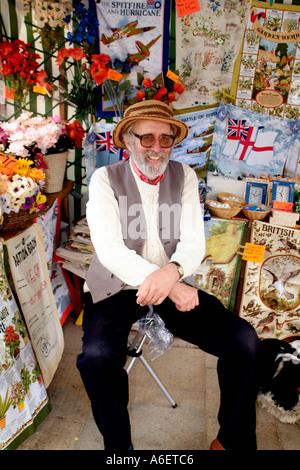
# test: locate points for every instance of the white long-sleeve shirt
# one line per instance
(106, 234)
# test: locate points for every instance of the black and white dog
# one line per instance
(280, 371)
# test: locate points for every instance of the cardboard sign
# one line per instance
(172, 76)
(7, 165)
(114, 75)
(27, 261)
(187, 7)
(40, 89)
(9, 93)
(283, 206)
(252, 252)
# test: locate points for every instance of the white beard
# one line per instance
(150, 170)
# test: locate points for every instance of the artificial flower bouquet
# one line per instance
(50, 18)
(45, 141)
(21, 69)
(36, 136)
(84, 88)
(21, 191)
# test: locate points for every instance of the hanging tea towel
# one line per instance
(247, 142)
(234, 134)
(262, 151)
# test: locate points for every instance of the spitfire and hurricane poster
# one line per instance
(134, 36)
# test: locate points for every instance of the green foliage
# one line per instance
(4, 404)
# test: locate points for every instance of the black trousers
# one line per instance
(210, 326)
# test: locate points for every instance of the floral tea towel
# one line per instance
(207, 45)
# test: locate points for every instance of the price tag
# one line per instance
(172, 76)
(9, 93)
(7, 165)
(283, 206)
(114, 75)
(252, 252)
(187, 7)
(39, 89)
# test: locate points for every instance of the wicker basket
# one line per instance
(223, 212)
(237, 202)
(55, 172)
(16, 220)
(257, 215)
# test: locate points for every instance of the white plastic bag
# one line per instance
(160, 339)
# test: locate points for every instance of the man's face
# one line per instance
(152, 161)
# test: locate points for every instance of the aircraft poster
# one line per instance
(135, 35)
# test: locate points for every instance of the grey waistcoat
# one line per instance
(100, 281)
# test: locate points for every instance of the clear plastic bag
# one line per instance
(160, 339)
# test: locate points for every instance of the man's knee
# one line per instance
(247, 340)
(100, 358)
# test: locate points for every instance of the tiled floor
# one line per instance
(190, 377)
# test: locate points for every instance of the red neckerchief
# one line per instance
(144, 178)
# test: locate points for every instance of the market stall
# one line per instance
(231, 71)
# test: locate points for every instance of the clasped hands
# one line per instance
(163, 283)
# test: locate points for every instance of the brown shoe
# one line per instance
(216, 445)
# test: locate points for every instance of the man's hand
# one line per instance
(157, 286)
(184, 297)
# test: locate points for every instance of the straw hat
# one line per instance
(149, 109)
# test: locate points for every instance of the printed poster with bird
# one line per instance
(271, 291)
(135, 35)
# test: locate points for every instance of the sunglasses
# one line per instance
(148, 140)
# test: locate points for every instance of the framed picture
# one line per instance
(256, 191)
(219, 271)
(282, 191)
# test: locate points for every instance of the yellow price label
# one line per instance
(39, 89)
(172, 76)
(253, 252)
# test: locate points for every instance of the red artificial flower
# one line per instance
(147, 83)
(140, 95)
(39, 161)
(18, 61)
(162, 91)
(178, 87)
(101, 58)
(77, 53)
(157, 96)
(40, 78)
(98, 68)
(5, 48)
(99, 72)
(76, 132)
(62, 54)
(171, 96)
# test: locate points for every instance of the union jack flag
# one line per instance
(244, 132)
(104, 142)
(235, 128)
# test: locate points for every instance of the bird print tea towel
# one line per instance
(271, 291)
